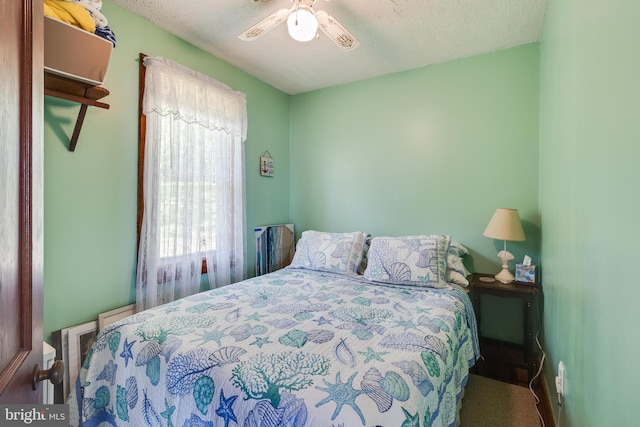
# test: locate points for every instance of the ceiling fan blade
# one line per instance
(336, 32)
(265, 25)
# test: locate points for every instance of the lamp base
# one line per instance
(505, 276)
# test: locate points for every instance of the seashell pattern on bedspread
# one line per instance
(291, 348)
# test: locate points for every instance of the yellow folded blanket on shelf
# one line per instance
(71, 13)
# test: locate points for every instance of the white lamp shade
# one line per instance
(302, 24)
(505, 224)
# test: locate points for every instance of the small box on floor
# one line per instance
(526, 273)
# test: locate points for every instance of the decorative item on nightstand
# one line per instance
(505, 225)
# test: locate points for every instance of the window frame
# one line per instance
(142, 133)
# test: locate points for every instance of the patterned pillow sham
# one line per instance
(409, 260)
(456, 271)
(334, 252)
(363, 264)
(457, 278)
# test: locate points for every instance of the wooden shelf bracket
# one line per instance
(72, 90)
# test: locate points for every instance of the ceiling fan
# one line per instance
(303, 23)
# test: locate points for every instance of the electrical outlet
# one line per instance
(560, 379)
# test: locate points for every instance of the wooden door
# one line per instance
(21, 198)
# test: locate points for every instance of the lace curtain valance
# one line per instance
(190, 96)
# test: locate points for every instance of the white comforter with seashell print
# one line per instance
(290, 348)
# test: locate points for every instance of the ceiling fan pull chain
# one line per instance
(296, 11)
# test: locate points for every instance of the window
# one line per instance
(191, 214)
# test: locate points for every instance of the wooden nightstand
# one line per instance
(527, 293)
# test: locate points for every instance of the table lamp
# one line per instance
(505, 225)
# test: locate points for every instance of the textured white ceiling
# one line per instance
(394, 35)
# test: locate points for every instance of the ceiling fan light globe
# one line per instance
(302, 25)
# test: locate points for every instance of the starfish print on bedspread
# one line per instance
(323, 321)
(126, 351)
(260, 341)
(214, 335)
(342, 394)
(411, 420)
(225, 410)
(370, 355)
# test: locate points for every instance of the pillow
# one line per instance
(457, 278)
(456, 271)
(363, 264)
(334, 252)
(409, 260)
(458, 250)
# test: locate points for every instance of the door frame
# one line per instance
(17, 376)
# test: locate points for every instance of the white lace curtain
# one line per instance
(194, 190)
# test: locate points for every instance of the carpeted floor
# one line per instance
(491, 403)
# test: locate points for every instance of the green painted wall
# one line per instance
(91, 194)
(432, 150)
(590, 110)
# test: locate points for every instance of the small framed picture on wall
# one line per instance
(266, 164)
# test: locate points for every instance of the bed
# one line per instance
(324, 342)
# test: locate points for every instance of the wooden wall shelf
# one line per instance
(76, 91)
